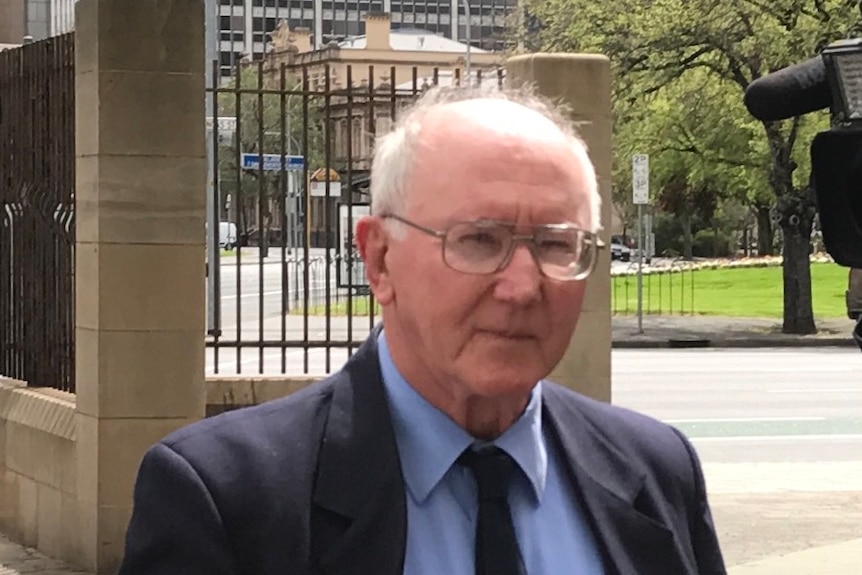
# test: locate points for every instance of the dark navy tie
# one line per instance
(497, 551)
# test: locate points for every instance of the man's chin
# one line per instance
(504, 383)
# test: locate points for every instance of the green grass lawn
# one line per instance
(359, 307)
(741, 292)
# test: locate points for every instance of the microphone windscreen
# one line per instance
(792, 91)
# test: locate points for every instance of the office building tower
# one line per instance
(244, 25)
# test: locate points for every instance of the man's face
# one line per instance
(483, 335)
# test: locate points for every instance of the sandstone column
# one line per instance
(583, 82)
(140, 191)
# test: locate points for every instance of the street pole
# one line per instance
(640, 270)
(640, 196)
(212, 207)
(469, 41)
(293, 197)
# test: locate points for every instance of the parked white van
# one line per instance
(227, 235)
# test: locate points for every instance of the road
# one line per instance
(273, 286)
(750, 405)
(779, 433)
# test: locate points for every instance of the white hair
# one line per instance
(395, 152)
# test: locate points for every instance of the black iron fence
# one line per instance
(292, 148)
(37, 238)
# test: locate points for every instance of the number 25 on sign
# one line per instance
(640, 179)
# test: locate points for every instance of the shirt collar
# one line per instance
(429, 441)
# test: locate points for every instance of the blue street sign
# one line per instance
(272, 162)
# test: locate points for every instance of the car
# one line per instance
(620, 251)
(227, 238)
(227, 235)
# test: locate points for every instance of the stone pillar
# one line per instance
(583, 82)
(140, 299)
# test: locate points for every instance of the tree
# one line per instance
(270, 118)
(700, 156)
(655, 45)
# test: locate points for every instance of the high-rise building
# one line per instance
(245, 24)
(39, 19)
(22, 18)
(62, 16)
(13, 21)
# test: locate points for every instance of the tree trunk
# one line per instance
(796, 209)
(714, 238)
(798, 311)
(685, 222)
(764, 231)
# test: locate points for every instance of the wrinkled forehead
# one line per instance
(485, 137)
(494, 156)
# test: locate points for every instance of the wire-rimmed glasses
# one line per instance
(561, 251)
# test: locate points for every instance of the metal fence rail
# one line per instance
(292, 148)
(667, 290)
(37, 179)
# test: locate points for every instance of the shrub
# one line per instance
(707, 245)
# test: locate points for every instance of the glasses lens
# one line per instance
(476, 247)
(481, 248)
(565, 254)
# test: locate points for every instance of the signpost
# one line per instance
(272, 162)
(640, 196)
(319, 185)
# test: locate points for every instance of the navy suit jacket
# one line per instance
(311, 484)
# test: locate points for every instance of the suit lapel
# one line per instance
(608, 488)
(359, 513)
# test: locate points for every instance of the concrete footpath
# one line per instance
(772, 518)
(680, 331)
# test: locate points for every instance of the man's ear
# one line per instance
(372, 242)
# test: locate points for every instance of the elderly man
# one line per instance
(439, 448)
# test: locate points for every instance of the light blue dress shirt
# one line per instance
(442, 505)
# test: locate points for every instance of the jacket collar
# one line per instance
(609, 486)
(359, 510)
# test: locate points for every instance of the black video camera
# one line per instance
(831, 80)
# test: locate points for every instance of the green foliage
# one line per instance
(680, 69)
(668, 235)
(711, 244)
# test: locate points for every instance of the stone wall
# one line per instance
(38, 502)
(39, 499)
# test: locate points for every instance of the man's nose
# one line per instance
(520, 281)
